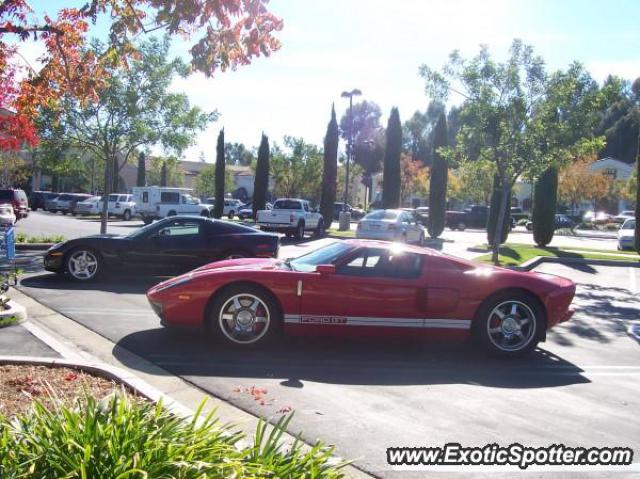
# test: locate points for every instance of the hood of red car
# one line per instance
(240, 263)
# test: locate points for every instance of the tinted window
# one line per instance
(382, 215)
(222, 227)
(6, 195)
(384, 263)
(65, 197)
(327, 255)
(629, 225)
(113, 198)
(286, 205)
(170, 197)
(181, 228)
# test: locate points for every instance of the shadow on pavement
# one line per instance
(371, 362)
(111, 284)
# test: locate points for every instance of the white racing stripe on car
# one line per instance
(367, 321)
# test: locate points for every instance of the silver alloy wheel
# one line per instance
(244, 318)
(82, 264)
(511, 325)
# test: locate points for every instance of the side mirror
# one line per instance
(326, 268)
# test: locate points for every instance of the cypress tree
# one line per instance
(141, 180)
(219, 177)
(391, 173)
(438, 181)
(261, 181)
(163, 174)
(637, 231)
(494, 210)
(545, 198)
(330, 170)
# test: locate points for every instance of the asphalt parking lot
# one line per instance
(580, 388)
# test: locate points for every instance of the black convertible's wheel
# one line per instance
(245, 315)
(509, 324)
(83, 264)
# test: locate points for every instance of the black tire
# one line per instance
(517, 337)
(221, 302)
(205, 214)
(73, 213)
(171, 213)
(64, 212)
(126, 216)
(461, 226)
(73, 271)
(231, 214)
(319, 231)
(147, 220)
(300, 231)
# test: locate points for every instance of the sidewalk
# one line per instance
(17, 340)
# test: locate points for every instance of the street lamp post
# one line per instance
(345, 216)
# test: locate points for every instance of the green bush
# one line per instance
(24, 238)
(120, 437)
(545, 202)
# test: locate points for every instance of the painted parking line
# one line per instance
(110, 312)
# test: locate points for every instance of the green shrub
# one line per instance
(120, 437)
(24, 238)
(545, 202)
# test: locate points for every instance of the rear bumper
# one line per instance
(376, 235)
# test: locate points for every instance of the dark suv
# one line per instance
(16, 198)
(39, 198)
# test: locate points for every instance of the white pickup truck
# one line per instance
(292, 217)
(155, 202)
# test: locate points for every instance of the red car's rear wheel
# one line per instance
(510, 324)
(245, 315)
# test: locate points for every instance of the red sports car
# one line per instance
(362, 287)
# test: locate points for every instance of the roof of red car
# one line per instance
(387, 244)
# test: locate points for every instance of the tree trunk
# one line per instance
(108, 171)
(637, 230)
(497, 238)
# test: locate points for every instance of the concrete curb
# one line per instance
(33, 246)
(538, 260)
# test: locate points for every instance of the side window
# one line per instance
(306, 206)
(170, 197)
(181, 229)
(383, 263)
(145, 197)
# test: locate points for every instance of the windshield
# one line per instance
(382, 215)
(286, 205)
(326, 255)
(629, 225)
(142, 231)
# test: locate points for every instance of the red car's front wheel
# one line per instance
(245, 315)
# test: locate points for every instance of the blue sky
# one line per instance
(377, 46)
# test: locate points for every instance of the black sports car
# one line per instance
(169, 246)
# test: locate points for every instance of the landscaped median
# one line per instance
(514, 254)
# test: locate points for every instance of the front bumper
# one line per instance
(54, 262)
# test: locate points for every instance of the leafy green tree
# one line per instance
(544, 207)
(476, 181)
(163, 174)
(261, 181)
(297, 169)
(497, 111)
(237, 154)
(135, 109)
(391, 173)
(172, 170)
(329, 170)
(218, 208)
(438, 180)
(141, 179)
(368, 135)
(204, 184)
(419, 132)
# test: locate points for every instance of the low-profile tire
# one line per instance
(319, 231)
(509, 324)
(244, 316)
(83, 264)
(126, 216)
(300, 231)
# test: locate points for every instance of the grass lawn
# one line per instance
(341, 234)
(513, 254)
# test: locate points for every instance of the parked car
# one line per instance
(597, 218)
(291, 216)
(90, 206)
(65, 202)
(17, 199)
(518, 214)
(156, 202)
(77, 198)
(231, 207)
(356, 213)
(50, 203)
(624, 216)
(37, 199)
(120, 205)
(422, 213)
(367, 288)
(7, 216)
(626, 235)
(391, 225)
(560, 221)
(166, 247)
(475, 216)
(246, 211)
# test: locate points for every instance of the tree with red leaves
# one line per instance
(232, 33)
